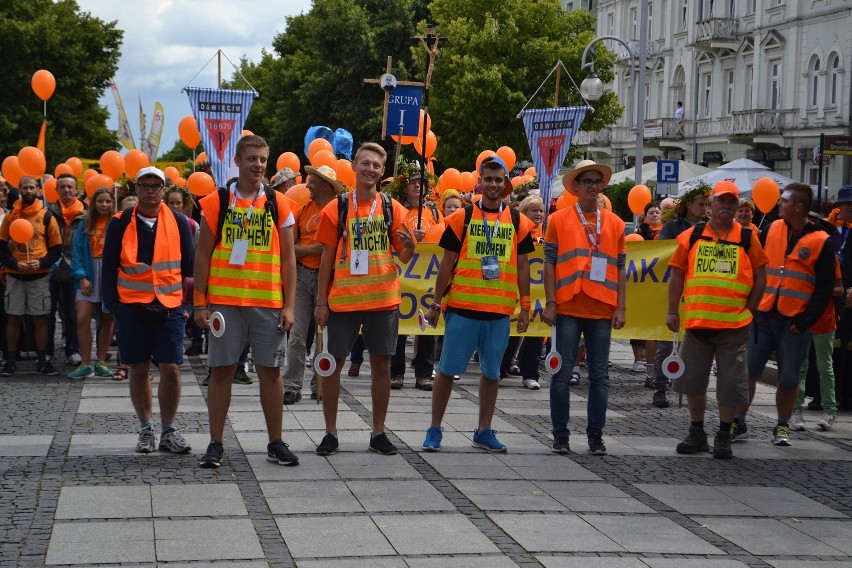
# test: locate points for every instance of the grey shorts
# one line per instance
(730, 349)
(379, 329)
(257, 326)
(27, 297)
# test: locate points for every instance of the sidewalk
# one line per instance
(73, 492)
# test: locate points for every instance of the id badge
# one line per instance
(598, 272)
(723, 266)
(239, 252)
(359, 264)
(490, 267)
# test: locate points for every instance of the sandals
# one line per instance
(120, 374)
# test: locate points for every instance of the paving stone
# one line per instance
(197, 500)
(293, 497)
(835, 533)
(398, 495)
(125, 444)
(693, 563)
(592, 497)
(507, 496)
(209, 539)
(117, 405)
(255, 442)
(101, 542)
(779, 502)
(369, 465)
(450, 533)
(655, 534)
(551, 532)
(466, 561)
(766, 537)
(111, 502)
(589, 562)
(354, 563)
(311, 467)
(807, 563)
(13, 445)
(697, 500)
(321, 537)
(468, 465)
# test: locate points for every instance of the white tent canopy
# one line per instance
(686, 170)
(742, 172)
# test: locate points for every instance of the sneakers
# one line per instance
(75, 359)
(354, 370)
(650, 383)
(9, 369)
(433, 439)
(575, 378)
(596, 446)
(46, 368)
(381, 445)
(279, 452)
(174, 442)
(739, 430)
(722, 446)
(638, 367)
(101, 370)
(193, 350)
(487, 440)
(797, 421)
(82, 371)
(213, 457)
(560, 445)
(147, 441)
(292, 397)
(309, 362)
(826, 422)
(695, 442)
(423, 383)
(328, 446)
(781, 435)
(514, 371)
(659, 400)
(240, 377)
(531, 384)
(396, 382)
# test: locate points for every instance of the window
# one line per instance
(647, 100)
(610, 24)
(684, 8)
(729, 92)
(706, 106)
(834, 81)
(664, 24)
(751, 7)
(748, 76)
(732, 9)
(775, 85)
(650, 19)
(661, 90)
(813, 83)
(634, 23)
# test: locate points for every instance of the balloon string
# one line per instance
(28, 252)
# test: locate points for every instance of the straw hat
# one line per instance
(585, 166)
(327, 174)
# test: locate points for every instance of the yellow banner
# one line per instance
(647, 291)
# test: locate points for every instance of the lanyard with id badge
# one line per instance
(240, 249)
(359, 262)
(598, 271)
(489, 262)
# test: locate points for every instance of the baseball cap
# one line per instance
(725, 187)
(284, 174)
(844, 195)
(151, 171)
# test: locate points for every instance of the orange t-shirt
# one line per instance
(427, 219)
(307, 221)
(96, 239)
(582, 305)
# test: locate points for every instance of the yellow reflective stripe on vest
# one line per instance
(484, 299)
(490, 284)
(738, 317)
(717, 283)
(245, 293)
(715, 300)
(477, 265)
(336, 301)
(253, 275)
(259, 257)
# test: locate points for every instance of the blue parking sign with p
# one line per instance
(404, 110)
(667, 171)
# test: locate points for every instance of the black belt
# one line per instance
(300, 265)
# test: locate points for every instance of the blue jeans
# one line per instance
(597, 333)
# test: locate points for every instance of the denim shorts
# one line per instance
(463, 336)
(139, 342)
(767, 335)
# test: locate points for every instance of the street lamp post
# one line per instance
(592, 87)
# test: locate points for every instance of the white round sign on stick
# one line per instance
(553, 360)
(324, 363)
(217, 324)
(673, 365)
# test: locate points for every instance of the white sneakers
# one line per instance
(826, 422)
(797, 421)
(638, 367)
(531, 384)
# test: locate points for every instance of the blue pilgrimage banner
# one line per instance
(549, 134)
(404, 110)
(220, 115)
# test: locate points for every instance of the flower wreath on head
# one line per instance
(703, 189)
(526, 189)
(405, 171)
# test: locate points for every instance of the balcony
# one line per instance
(758, 122)
(600, 137)
(716, 33)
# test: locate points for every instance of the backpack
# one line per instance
(224, 205)
(698, 232)
(343, 212)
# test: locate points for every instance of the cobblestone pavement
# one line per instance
(73, 493)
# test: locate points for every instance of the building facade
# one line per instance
(758, 79)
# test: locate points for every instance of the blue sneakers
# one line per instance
(433, 439)
(487, 440)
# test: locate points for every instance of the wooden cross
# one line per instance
(387, 94)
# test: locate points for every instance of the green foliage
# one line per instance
(180, 152)
(618, 197)
(82, 53)
(497, 55)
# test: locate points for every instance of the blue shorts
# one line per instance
(463, 336)
(139, 342)
(768, 334)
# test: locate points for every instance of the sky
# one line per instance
(166, 42)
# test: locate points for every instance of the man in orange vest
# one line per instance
(364, 290)
(148, 251)
(799, 285)
(719, 270)
(483, 270)
(246, 271)
(585, 285)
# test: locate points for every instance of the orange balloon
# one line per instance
(288, 160)
(112, 164)
(316, 145)
(63, 168)
(517, 180)
(134, 161)
(180, 182)
(634, 237)
(530, 171)
(21, 231)
(32, 161)
(507, 155)
(345, 173)
(638, 198)
(12, 170)
(451, 178)
(420, 123)
(299, 193)
(468, 181)
(323, 158)
(405, 139)
(200, 184)
(43, 84)
(482, 155)
(76, 166)
(96, 182)
(247, 133)
(765, 194)
(87, 175)
(49, 191)
(431, 145)
(567, 199)
(172, 173)
(607, 203)
(188, 131)
(202, 157)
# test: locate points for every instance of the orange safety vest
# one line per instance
(574, 256)
(379, 289)
(790, 279)
(719, 279)
(469, 290)
(140, 283)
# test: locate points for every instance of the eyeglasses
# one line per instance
(149, 187)
(590, 183)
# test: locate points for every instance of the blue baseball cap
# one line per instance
(844, 195)
(495, 159)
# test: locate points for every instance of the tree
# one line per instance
(180, 152)
(496, 56)
(82, 53)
